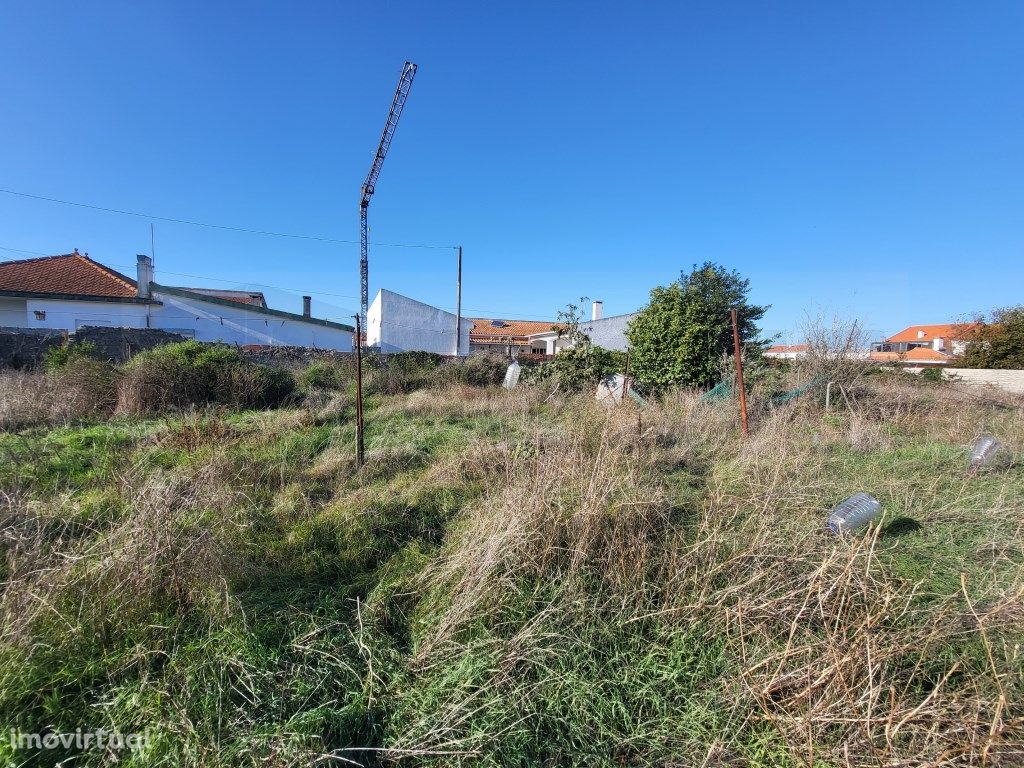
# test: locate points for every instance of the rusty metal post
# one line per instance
(360, 453)
(739, 371)
(625, 378)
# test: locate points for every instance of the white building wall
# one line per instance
(206, 321)
(396, 323)
(12, 313)
(72, 315)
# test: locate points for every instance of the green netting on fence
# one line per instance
(724, 390)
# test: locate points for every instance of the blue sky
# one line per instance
(859, 158)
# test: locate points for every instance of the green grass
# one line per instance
(287, 606)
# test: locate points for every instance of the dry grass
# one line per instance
(84, 390)
(173, 544)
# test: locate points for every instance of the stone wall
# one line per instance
(26, 347)
(120, 344)
(1006, 380)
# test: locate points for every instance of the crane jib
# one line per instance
(397, 103)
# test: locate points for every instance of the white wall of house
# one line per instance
(207, 321)
(72, 315)
(548, 343)
(193, 318)
(12, 313)
(396, 323)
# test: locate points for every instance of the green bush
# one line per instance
(190, 373)
(322, 374)
(476, 370)
(578, 368)
(70, 353)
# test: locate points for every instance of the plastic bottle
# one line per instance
(984, 450)
(854, 512)
(512, 375)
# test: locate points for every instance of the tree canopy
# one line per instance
(680, 336)
(998, 343)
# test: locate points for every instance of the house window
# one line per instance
(40, 314)
(539, 350)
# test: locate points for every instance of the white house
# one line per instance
(396, 323)
(607, 332)
(70, 291)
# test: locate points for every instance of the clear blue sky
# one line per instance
(862, 158)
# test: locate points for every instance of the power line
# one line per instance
(268, 233)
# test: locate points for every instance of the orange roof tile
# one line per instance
(485, 331)
(72, 273)
(915, 355)
(239, 297)
(930, 332)
(779, 348)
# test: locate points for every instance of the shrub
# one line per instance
(476, 370)
(578, 368)
(190, 373)
(320, 374)
(70, 353)
(394, 374)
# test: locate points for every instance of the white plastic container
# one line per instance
(512, 375)
(856, 511)
(984, 451)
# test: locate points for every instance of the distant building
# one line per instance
(396, 323)
(924, 345)
(787, 351)
(607, 332)
(72, 291)
(515, 337)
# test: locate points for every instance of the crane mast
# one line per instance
(397, 103)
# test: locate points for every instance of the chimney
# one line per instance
(145, 276)
(920, 334)
(307, 306)
(597, 311)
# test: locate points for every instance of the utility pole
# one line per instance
(739, 371)
(360, 454)
(458, 304)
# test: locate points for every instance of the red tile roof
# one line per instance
(72, 273)
(930, 332)
(255, 298)
(485, 331)
(781, 348)
(915, 355)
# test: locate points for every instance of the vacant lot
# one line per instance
(517, 578)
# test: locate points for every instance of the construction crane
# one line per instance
(401, 94)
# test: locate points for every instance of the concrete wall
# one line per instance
(1008, 380)
(396, 323)
(608, 332)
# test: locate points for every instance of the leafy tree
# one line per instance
(680, 336)
(568, 324)
(999, 343)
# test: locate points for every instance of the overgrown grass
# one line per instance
(517, 579)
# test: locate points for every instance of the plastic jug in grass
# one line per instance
(984, 450)
(856, 511)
